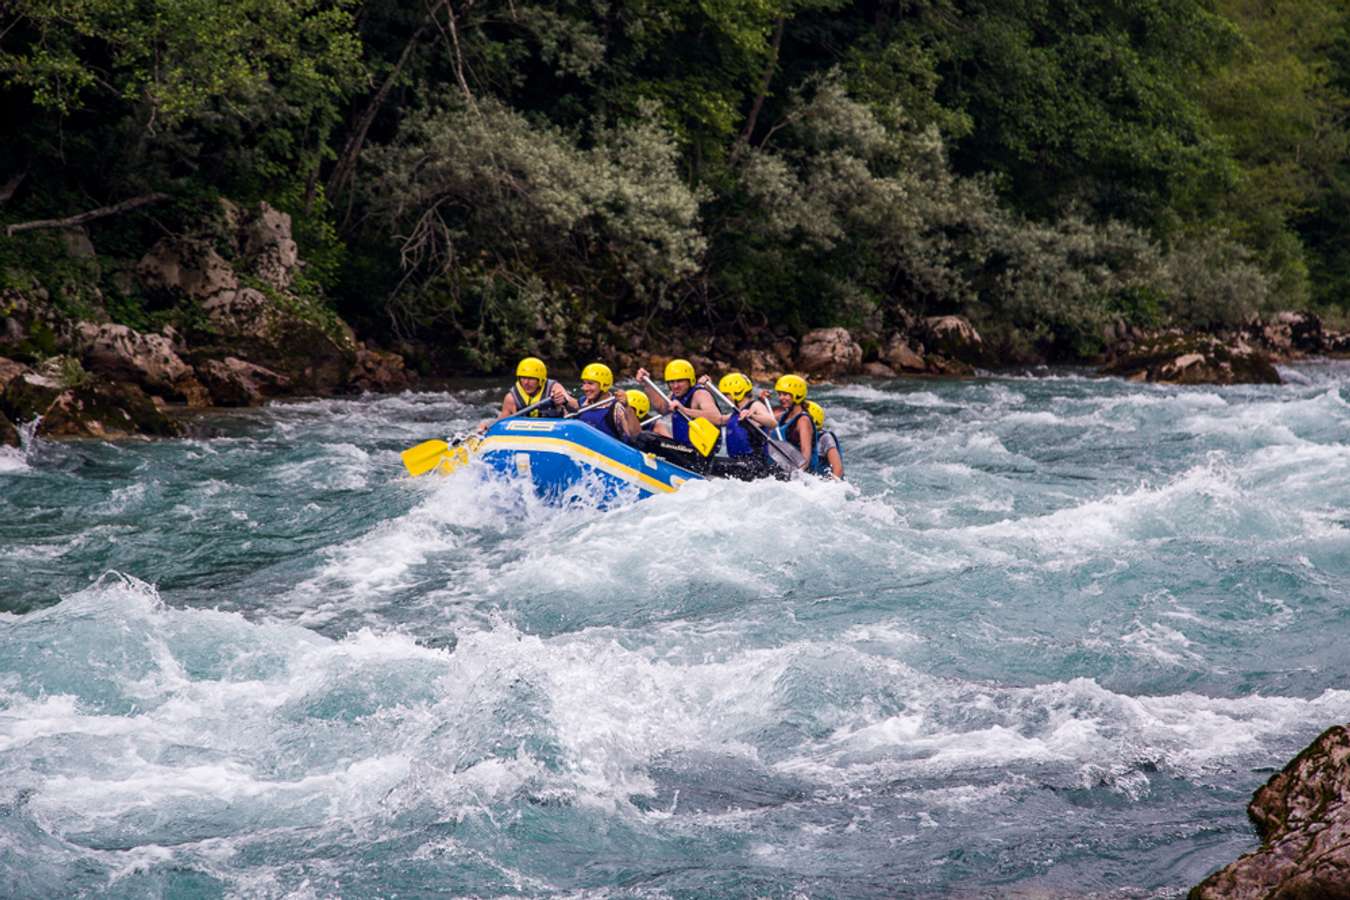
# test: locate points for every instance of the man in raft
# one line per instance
(694, 399)
(616, 418)
(533, 385)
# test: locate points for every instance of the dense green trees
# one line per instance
(509, 173)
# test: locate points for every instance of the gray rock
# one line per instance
(269, 249)
(379, 372)
(189, 267)
(902, 357)
(234, 382)
(148, 360)
(829, 351)
(1302, 816)
(954, 337)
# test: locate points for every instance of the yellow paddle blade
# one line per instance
(424, 457)
(703, 435)
(458, 456)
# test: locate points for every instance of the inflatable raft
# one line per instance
(566, 459)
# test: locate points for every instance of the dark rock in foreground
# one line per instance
(1302, 816)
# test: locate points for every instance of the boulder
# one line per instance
(902, 357)
(828, 352)
(1302, 816)
(9, 435)
(270, 252)
(9, 370)
(233, 382)
(104, 409)
(759, 365)
(954, 337)
(185, 266)
(148, 360)
(941, 365)
(314, 354)
(878, 370)
(1173, 358)
(28, 396)
(379, 371)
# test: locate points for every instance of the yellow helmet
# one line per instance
(816, 412)
(532, 367)
(680, 370)
(600, 374)
(735, 386)
(639, 402)
(792, 384)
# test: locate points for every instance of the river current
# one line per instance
(1047, 640)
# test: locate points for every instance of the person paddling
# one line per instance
(794, 424)
(615, 419)
(829, 455)
(641, 407)
(533, 385)
(737, 439)
(695, 399)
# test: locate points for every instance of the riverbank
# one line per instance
(228, 318)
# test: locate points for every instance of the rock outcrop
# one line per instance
(954, 338)
(234, 382)
(829, 352)
(1302, 816)
(147, 360)
(94, 407)
(902, 356)
(1176, 358)
(379, 372)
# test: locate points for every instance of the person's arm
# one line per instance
(627, 419)
(760, 413)
(508, 406)
(706, 408)
(836, 462)
(563, 399)
(657, 401)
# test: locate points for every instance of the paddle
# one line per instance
(781, 452)
(598, 403)
(429, 455)
(702, 433)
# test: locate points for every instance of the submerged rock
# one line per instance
(1302, 816)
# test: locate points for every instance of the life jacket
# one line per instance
(522, 401)
(824, 441)
(679, 425)
(787, 431)
(602, 419)
(740, 439)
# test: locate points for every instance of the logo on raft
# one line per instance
(529, 425)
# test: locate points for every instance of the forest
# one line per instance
(504, 176)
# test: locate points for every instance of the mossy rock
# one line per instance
(105, 409)
(28, 396)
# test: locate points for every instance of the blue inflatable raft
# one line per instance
(569, 459)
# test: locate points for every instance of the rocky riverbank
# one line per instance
(1302, 816)
(248, 330)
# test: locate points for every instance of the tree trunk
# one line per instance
(744, 140)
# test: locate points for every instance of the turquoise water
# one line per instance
(1048, 640)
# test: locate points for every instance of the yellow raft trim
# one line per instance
(572, 449)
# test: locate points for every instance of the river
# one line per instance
(1048, 639)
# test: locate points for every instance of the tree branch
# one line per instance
(101, 212)
(744, 140)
